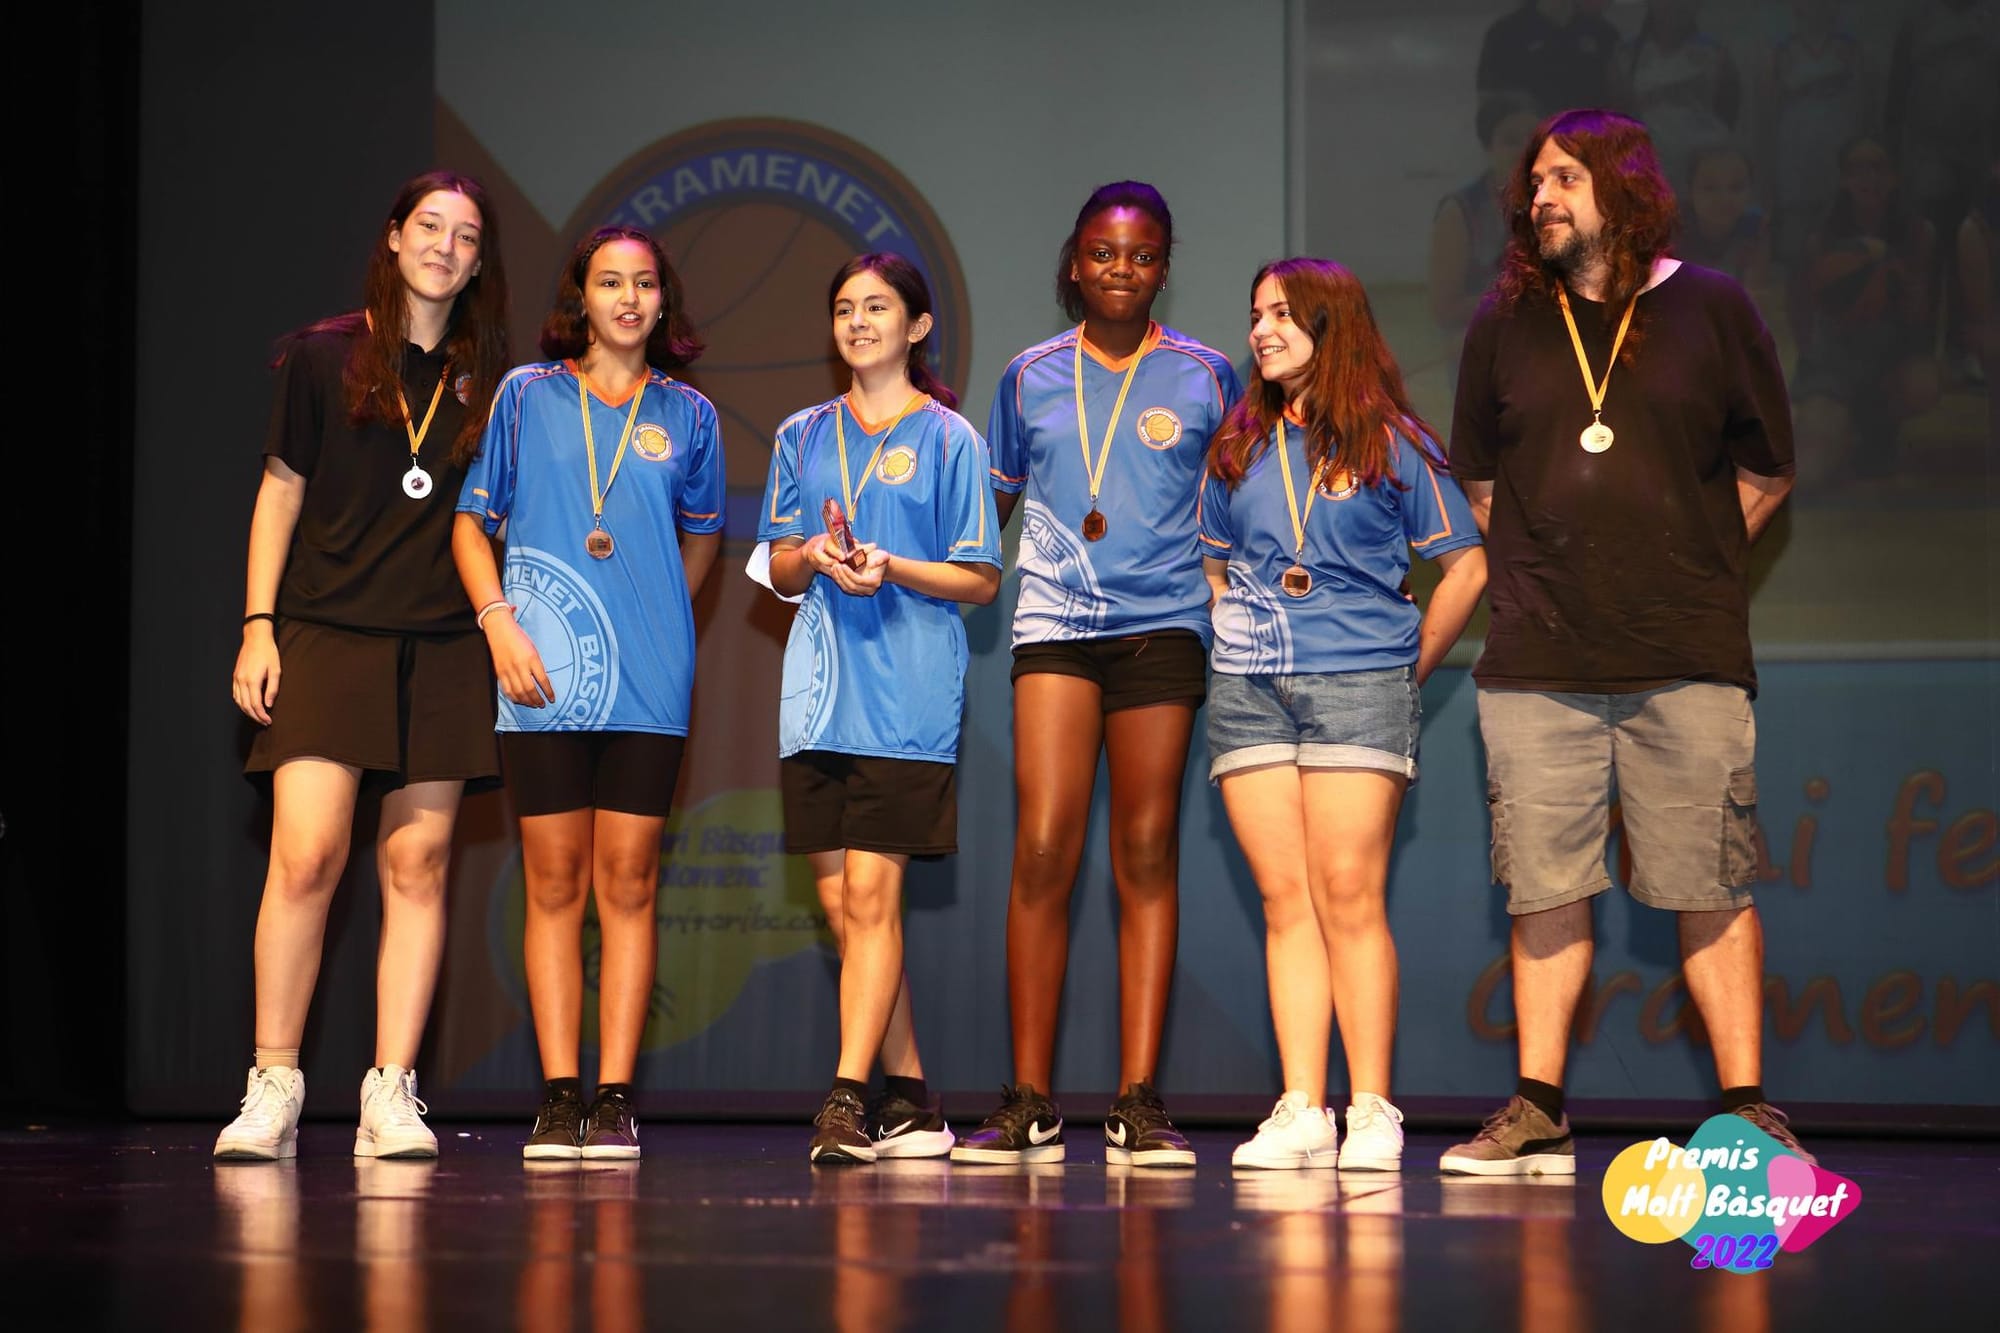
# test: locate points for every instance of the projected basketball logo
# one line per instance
(569, 629)
(757, 215)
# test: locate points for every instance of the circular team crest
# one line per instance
(651, 443)
(757, 215)
(1159, 428)
(1341, 485)
(462, 389)
(897, 466)
(562, 615)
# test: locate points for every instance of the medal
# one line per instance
(831, 510)
(598, 544)
(1298, 580)
(1094, 522)
(417, 482)
(1596, 437)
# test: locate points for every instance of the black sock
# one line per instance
(619, 1090)
(1735, 1098)
(854, 1086)
(1548, 1096)
(565, 1087)
(911, 1090)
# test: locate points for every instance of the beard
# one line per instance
(1574, 253)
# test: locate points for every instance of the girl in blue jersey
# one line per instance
(874, 675)
(1321, 482)
(1105, 428)
(360, 661)
(608, 474)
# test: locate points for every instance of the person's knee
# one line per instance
(869, 904)
(1287, 904)
(1350, 896)
(304, 868)
(1147, 859)
(627, 882)
(415, 872)
(557, 878)
(1044, 868)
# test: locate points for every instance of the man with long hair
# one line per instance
(1623, 434)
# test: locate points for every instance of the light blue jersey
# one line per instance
(615, 635)
(1145, 573)
(881, 675)
(1358, 544)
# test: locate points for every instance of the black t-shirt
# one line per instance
(1621, 571)
(365, 555)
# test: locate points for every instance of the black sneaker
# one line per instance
(901, 1128)
(1773, 1122)
(841, 1130)
(558, 1131)
(1026, 1128)
(612, 1129)
(1138, 1133)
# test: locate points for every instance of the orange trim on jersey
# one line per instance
(604, 397)
(1220, 546)
(868, 427)
(1437, 491)
(1146, 344)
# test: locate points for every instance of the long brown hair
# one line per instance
(673, 342)
(907, 281)
(1633, 199)
(1354, 400)
(475, 333)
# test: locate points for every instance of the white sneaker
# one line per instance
(1374, 1136)
(1296, 1135)
(391, 1116)
(267, 1127)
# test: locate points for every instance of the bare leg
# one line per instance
(1148, 752)
(1552, 953)
(1058, 730)
(312, 819)
(412, 857)
(1267, 809)
(1722, 955)
(626, 869)
(555, 863)
(1350, 817)
(871, 968)
(899, 1044)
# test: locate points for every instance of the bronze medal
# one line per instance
(598, 544)
(1296, 581)
(1094, 526)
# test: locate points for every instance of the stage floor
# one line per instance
(727, 1227)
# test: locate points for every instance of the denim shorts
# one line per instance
(1679, 761)
(1338, 719)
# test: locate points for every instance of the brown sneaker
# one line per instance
(1519, 1139)
(1774, 1122)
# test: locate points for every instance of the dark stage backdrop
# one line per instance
(1333, 128)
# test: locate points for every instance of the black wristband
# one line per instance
(271, 616)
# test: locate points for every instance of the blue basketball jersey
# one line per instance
(1144, 574)
(881, 675)
(1358, 544)
(616, 635)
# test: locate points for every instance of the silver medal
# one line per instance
(416, 483)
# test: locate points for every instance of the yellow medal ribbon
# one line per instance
(417, 433)
(590, 445)
(1597, 436)
(848, 491)
(1292, 500)
(1096, 474)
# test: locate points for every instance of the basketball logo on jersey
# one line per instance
(897, 466)
(652, 443)
(1341, 485)
(761, 210)
(1159, 428)
(462, 389)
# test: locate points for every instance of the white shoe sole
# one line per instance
(1148, 1157)
(917, 1143)
(1048, 1152)
(617, 1152)
(1327, 1159)
(237, 1150)
(551, 1152)
(1535, 1164)
(367, 1146)
(842, 1156)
